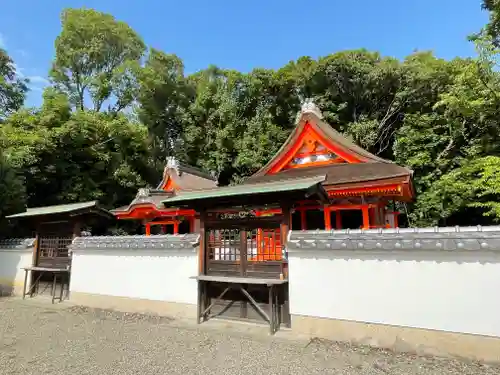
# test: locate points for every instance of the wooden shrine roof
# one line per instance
(185, 177)
(240, 192)
(314, 147)
(177, 177)
(146, 197)
(72, 209)
(340, 174)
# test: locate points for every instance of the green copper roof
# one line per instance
(58, 209)
(248, 189)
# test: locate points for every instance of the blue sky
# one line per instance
(248, 34)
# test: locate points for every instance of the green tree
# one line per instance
(96, 56)
(12, 193)
(468, 194)
(12, 87)
(163, 97)
(69, 156)
(492, 28)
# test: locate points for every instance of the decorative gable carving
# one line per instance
(313, 153)
(312, 149)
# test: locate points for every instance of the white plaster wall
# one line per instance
(11, 262)
(452, 291)
(162, 275)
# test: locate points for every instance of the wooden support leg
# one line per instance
(286, 307)
(54, 288)
(36, 287)
(207, 309)
(271, 310)
(25, 282)
(277, 319)
(200, 301)
(62, 288)
(207, 301)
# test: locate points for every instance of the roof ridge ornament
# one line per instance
(142, 193)
(172, 163)
(308, 106)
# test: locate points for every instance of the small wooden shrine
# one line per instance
(55, 228)
(317, 180)
(147, 205)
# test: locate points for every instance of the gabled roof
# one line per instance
(243, 191)
(310, 120)
(314, 147)
(341, 174)
(177, 177)
(145, 197)
(185, 177)
(72, 209)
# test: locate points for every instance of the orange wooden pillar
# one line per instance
(284, 228)
(372, 215)
(328, 218)
(176, 227)
(148, 229)
(338, 220)
(303, 222)
(191, 224)
(396, 223)
(203, 242)
(366, 216)
(260, 242)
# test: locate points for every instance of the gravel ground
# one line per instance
(37, 339)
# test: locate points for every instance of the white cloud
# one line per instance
(38, 80)
(37, 83)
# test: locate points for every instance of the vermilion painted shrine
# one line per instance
(317, 179)
(361, 187)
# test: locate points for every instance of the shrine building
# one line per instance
(362, 188)
(317, 180)
(148, 207)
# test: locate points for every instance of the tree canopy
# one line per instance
(12, 87)
(116, 109)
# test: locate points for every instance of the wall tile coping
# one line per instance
(156, 242)
(17, 243)
(437, 238)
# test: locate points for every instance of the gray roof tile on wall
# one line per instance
(431, 239)
(17, 243)
(157, 242)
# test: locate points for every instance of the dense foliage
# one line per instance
(438, 117)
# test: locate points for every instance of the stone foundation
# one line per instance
(135, 305)
(406, 339)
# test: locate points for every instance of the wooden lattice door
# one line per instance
(249, 249)
(53, 245)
